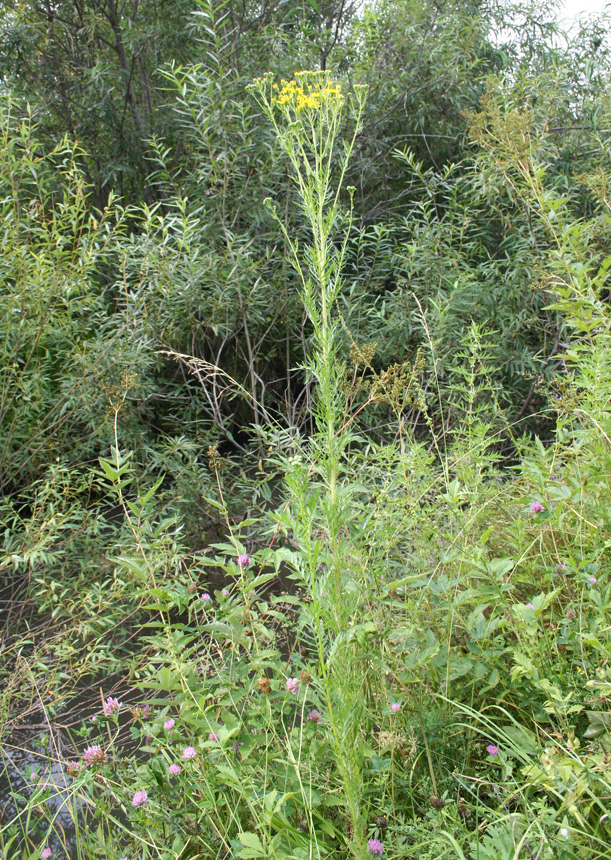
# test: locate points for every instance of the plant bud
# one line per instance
(264, 686)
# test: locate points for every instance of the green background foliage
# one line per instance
(364, 345)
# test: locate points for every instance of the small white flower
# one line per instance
(564, 832)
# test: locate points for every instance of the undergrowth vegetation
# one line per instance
(306, 458)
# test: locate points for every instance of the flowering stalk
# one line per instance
(307, 115)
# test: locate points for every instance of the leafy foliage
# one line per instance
(305, 443)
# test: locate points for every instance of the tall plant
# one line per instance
(307, 117)
(307, 114)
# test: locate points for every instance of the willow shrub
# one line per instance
(51, 307)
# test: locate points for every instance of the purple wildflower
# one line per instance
(213, 736)
(236, 746)
(395, 707)
(94, 755)
(140, 798)
(571, 614)
(531, 606)
(225, 592)
(292, 685)
(206, 597)
(174, 769)
(189, 752)
(243, 560)
(536, 508)
(73, 768)
(592, 580)
(46, 852)
(169, 724)
(112, 706)
(376, 849)
(492, 749)
(315, 717)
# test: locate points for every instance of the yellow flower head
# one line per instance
(308, 91)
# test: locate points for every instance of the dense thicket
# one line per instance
(155, 103)
(163, 372)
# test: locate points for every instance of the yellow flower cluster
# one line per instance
(303, 94)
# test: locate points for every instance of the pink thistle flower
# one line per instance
(492, 749)
(169, 724)
(46, 852)
(112, 706)
(189, 752)
(376, 849)
(94, 755)
(243, 560)
(315, 717)
(536, 508)
(206, 597)
(213, 736)
(174, 769)
(292, 685)
(140, 798)
(396, 707)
